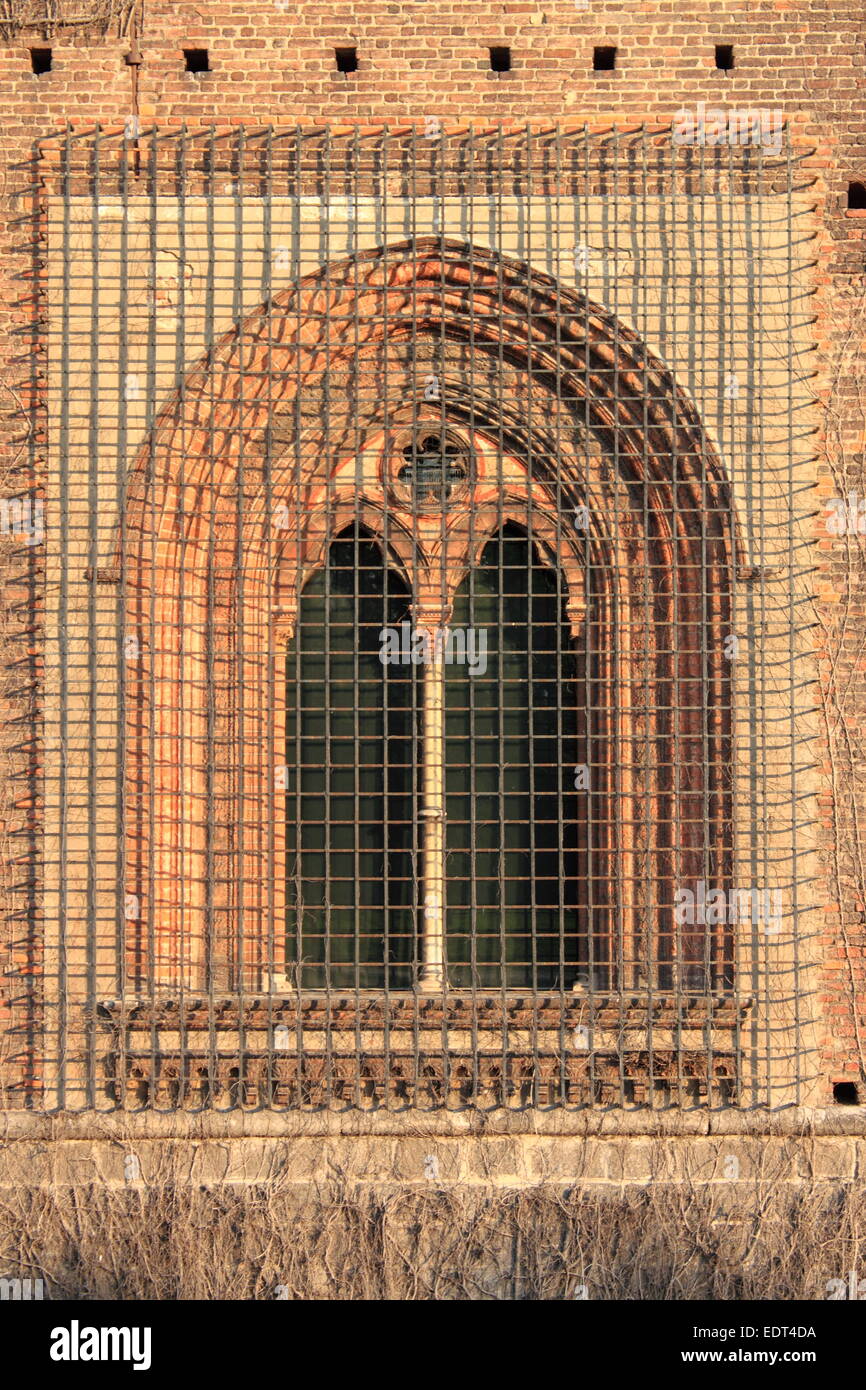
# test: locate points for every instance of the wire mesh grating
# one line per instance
(423, 620)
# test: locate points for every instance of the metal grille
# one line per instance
(422, 620)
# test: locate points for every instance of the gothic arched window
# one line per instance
(515, 839)
(350, 758)
(360, 764)
(460, 667)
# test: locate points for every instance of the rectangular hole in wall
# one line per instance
(196, 59)
(40, 60)
(347, 59)
(603, 59)
(500, 59)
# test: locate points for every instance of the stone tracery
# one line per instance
(248, 478)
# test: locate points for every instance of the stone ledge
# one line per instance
(495, 1161)
(798, 1121)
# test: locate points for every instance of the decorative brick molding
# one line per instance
(212, 586)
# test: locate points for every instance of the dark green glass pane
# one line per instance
(350, 751)
(515, 827)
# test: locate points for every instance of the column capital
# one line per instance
(432, 613)
(575, 609)
(284, 617)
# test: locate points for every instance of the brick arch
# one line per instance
(559, 388)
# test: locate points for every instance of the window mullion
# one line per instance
(432, 809)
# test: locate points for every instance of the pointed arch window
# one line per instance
(518, 816)
(350, 757)
(434, 836)
(516, 852)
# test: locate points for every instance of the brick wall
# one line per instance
(276, 64)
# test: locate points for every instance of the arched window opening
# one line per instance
(516, 850)
(350, 755)
(517, 880)
(508, 831)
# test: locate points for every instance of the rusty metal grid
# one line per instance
(421, 613)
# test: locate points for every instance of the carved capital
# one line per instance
(284, 617)
(432, 613)
(575, 610)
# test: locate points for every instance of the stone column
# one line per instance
(432, 619)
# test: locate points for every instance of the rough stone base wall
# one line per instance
(307, 1152)
(592, 1218)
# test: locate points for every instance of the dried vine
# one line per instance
(844, 646)
(50, 17)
